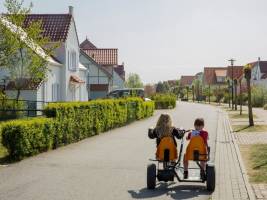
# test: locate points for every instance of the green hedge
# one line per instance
(70, 122)
(164, 101)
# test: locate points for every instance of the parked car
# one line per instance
(127, 92)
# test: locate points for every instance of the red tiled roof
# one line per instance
(237, 72)
(186, 80)
(86, 44)
(103, 56)
(55, 26)
(210, 75)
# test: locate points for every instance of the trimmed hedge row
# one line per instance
(164, 101)
(70, 122)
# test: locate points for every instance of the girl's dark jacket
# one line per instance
(176, 133)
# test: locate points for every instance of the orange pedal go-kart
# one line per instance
(169, 163)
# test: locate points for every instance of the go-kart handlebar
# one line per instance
(152, 135)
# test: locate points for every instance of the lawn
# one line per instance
(246, 128)
(238, 116)
(255, 157)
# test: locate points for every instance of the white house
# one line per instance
(259, 73)
(99, 80)
(67, 77)
(108, 59)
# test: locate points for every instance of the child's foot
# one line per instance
(185, 174)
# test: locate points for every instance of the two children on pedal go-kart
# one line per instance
(164, 128)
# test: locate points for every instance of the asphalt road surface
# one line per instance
(109, 166)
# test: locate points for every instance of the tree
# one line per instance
(240, 95)
(219, 94)
(235, 92)
(149, 90)
(193, 92)
(134, 81)
(247, 72)
(24, 52)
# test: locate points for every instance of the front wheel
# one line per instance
(210, 178)
(151, 176)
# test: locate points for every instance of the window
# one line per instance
(55, 92)
(72, 60)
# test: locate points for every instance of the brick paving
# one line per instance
(251, 138)
(243, 138)
(231, 181)
(260, 191)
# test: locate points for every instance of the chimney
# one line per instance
(71, 10)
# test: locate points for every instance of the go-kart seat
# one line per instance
(196, 150)
(166, 150)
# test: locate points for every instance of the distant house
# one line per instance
(259, 73)
(108, 59)
(66, 80)
(214, 75)
(186, 81)
(99, 80)
(199, 76)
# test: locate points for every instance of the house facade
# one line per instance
(67, 77)
(108, 59)
(99, 81)
(186, 81)
(259, 73)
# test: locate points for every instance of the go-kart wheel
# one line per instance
(151, 176)
(210, 178)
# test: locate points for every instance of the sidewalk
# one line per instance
(250, 138)
(231, 179)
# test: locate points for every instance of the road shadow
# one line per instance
(176, 192)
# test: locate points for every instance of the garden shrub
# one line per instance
(24, 138)
(71, 122)
(164, 101)
(8, 107)
(258, 96)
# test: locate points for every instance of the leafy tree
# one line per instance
(149, 90)
(166, 87)
(219, 94)
(134, 81)
(160, 87)
(24, 52)
(247, 72)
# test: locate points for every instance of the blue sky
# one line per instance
(163, 39)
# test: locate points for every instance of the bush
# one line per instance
(258, 96)
(70, 122)
(164, 101)
(24, 138)
(8, 107)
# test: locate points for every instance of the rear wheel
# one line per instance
(210, 178)
(151, 176)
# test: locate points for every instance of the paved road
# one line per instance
(108, 166)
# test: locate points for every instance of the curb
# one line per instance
(251, 194)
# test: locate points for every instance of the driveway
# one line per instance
(109, 166)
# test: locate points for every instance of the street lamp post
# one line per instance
(232, 85)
